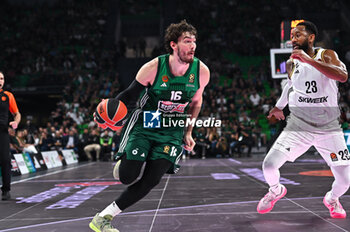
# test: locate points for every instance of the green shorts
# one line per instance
(141, 146)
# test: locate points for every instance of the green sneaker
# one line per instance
(102, 224)
(116, 170)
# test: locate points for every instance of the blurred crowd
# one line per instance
(67, 47)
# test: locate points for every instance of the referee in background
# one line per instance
(7, 104)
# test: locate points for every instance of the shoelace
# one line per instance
(336, 206)
(270, 197)
(106, 224)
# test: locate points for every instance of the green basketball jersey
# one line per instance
(169, 95)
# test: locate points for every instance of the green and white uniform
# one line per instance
(169, 95)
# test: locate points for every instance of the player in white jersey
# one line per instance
(312, 95)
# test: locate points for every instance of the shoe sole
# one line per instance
(273, 203)
(93, 227)
(342, 216)
(116, 170)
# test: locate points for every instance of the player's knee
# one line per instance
(127, 179)
(346, 180)
(151, 183)
(268, 165)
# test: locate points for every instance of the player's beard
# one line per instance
(304, 46)
(183, 58)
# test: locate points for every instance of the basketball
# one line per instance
(111, 113)
(273, 120)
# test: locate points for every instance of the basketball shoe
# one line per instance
(102, 224)
(335, 208)
(267, 203)
(5, 195)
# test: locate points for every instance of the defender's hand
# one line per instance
(299, 54)
(277, 113)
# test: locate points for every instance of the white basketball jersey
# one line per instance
(313, 97)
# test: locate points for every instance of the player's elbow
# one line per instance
(344, 78)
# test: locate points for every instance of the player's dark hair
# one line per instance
(174, 31)
(309, 27)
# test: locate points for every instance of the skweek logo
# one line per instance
(151, 119)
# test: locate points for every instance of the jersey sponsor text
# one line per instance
(313, 100)
(170, 107)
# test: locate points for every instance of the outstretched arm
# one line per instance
(332, 67)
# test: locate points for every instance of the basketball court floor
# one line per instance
(207, 195)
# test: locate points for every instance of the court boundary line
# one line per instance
(50, 173)
(160, 201)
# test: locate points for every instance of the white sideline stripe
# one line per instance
(51, 173)
(235, 161)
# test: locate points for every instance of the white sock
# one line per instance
(112, 209)
(330, 197)
(276, 189)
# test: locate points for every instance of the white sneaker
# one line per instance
(102, 224)
(335, 208)
(116, 170)
(267, 203)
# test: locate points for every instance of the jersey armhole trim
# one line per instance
(158, 70)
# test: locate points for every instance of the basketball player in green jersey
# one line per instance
(168, 87)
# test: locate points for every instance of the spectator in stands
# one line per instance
(45, 143)
(233, 140)
(201, 142)
(28, 136)
(106, 144)
(93, 144)
(255, 98)
(213, 137)
(244, 139)
(27, 147)
(14, 144)
(222, 146)
(57, 140)
(71, 141)
(83, 140)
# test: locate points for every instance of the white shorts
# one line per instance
(295, 141)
